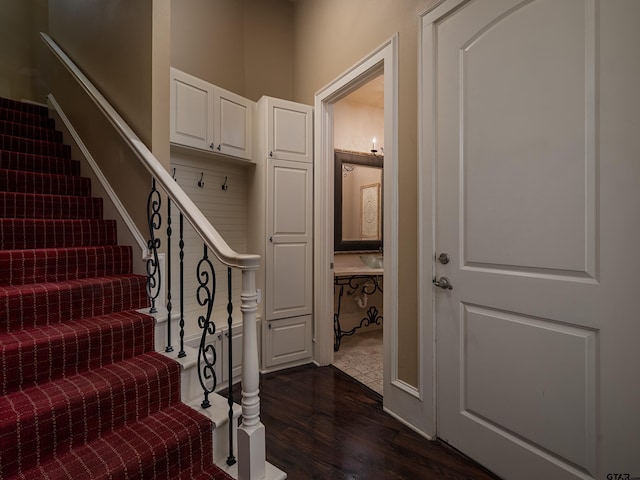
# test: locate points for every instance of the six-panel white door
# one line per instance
(533, 108)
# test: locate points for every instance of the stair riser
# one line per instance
(44, 304)
(35, 147)
(46, 354)
(30, 131)
(19, 267)
(30, 182)
(73, 411)
(37, 233)
(38, 163)
(24, 205)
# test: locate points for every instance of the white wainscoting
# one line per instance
(227, 212)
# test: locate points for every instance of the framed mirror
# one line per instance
(358, 201)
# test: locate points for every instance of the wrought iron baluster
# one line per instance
(205, 295)
(182, 353)
(169, 347)
(231, 459)
(153, 265)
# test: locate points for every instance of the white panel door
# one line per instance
(534, 115)
(288, 256)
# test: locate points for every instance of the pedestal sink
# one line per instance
(372, 261)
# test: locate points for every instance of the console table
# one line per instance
(350, 272)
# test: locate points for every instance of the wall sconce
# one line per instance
(373, 147)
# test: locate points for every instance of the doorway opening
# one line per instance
(358, 135)
(353, 116)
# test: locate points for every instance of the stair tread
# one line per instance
(21, 181)
(28, 233)
(35, 205)
(26, 107)
(24, 306)
(25, 118)
(38, 147)
(30, 162)
(33, 132)
(28, 266)
(158, 446)
(35, 355)
(66, 412)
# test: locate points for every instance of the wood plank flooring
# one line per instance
(322, 424)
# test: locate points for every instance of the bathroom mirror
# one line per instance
(358, 201)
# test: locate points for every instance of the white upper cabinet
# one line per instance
(233, 123)
(210, 118)
(191, 111)
(289, 129)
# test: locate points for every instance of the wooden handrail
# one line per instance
(191, 212)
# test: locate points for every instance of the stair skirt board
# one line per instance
(83, 392)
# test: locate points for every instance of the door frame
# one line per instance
(323, 165)
(401, 400)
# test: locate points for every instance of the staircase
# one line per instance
(83, 394)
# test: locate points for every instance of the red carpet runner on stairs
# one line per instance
(83, 394)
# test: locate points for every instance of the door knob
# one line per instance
(443, 283)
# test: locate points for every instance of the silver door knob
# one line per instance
(443, 283)
(444, 258)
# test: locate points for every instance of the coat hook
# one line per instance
(200, 182)
(174, 173)
(224, 185)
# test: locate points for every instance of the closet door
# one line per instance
(289, 253)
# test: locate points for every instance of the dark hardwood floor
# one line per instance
(322, 424)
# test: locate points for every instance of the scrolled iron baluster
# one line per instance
(231, 459)
(182, 353)
(169, 347)
(153, 264)
(205, 295)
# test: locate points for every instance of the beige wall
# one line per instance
(355, 125)
(23, 72)
(207, 41)
(112, 42)
(244, 47)
(330, 36)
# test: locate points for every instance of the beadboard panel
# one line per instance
(227, 212)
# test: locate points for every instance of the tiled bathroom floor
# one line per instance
(360, 356)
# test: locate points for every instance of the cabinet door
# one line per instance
(191, 101)
(289, 130)
(288, 262)
(287, 340)
(233, 120)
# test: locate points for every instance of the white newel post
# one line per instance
(251, 433)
